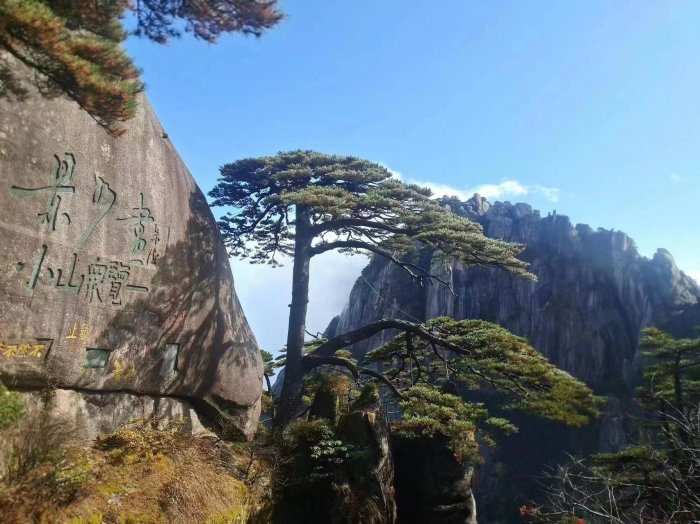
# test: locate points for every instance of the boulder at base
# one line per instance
(113, 276)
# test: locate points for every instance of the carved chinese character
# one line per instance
(73, 332)
(36, 270)
(153, 254)
(104, 197)
(84, 332)
(67, 286)
(61, 184)
(12, 350)
(141, 216)
(117, 276)
(95, 279)
(137, 289)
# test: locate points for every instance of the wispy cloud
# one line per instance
(694, 274)
(685, 179)
(444, 190)
(505, 189)
(395, 173)
(548, 193)
(265, 292)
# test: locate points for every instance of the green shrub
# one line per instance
(318, 452)
(428, 412)
(367, 397)
(11, 407)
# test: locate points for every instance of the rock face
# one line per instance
(87, 415)
(593, 296)
(355, 489)
(113, 276)
(367, 430)
(594, 292)
(431, 484)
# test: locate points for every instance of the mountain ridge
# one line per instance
(602, 264)
(594, 295)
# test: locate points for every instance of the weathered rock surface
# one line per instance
(367, 430)
(594, 292)
(87, 415)
(113, 276)
(593, 296)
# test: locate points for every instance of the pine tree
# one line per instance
(672, 381)
(657, 478)
(161, 20)
(75, 45)
(303, 204)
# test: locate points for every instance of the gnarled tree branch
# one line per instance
(312, 361)
(416, 272)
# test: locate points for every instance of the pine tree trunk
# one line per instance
(678, 397)
(290, 399)
(269, 391)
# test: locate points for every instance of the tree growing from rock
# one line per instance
(302, 204)
(75, 44)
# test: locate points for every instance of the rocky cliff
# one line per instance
(114, 282)
(593, 296)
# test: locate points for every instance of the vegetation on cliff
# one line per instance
(134, 475)
(76, 44)
(657, 478)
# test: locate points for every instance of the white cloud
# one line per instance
(265, 293)
(685, 179)
(548, 193)
(508, 187)
(694, 274)
(396, 174)
(444, 190)
(505, 189)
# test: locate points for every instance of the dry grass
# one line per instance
(40, 470)
(204, 494)
(37, 437)
(144, 476)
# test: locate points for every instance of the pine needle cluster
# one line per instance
(75, 45)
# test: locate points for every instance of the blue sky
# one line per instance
(588, 107)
